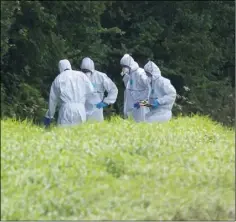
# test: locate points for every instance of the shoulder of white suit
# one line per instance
(100, 74)
(140, 71)
(82, 75)
(78, 72)
(164, 81)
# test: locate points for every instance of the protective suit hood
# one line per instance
(63, 65)
(153, 69)
(88, 64)
(127, 60)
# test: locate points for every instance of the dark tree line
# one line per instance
(191, 41)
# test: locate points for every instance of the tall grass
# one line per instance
(118, 169)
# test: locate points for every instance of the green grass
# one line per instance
(118, 169)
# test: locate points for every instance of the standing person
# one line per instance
(101, 83)
(163, 95)
(69, 91)
(137, 88)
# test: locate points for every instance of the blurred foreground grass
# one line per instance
(118, 169)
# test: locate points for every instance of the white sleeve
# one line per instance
(126, 79)
(170, 94)
(89, 89)
(111, 89)
(53, 99)
(144, 80)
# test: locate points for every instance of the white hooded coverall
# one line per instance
(163, 91)
(101, 83)
(70, 90)
(137, 88)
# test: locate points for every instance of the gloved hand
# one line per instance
(101, 105)
(155, 105)
(137, 105)
(47, 121)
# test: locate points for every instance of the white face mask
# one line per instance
(124, 71)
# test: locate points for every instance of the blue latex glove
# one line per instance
(137, 105)
(46, 121)
(155, 104)
(101, 105)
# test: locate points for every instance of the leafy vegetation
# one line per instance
(192, 42)
(118, 169)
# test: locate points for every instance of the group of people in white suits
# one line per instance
(79, 95)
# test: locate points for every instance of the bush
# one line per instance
(28, 103)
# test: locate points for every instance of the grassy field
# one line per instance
(181, 170)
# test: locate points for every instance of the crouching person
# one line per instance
(162, 97)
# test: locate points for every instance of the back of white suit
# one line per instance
(71, 89)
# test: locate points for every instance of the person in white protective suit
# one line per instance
(162, 97)
(137, 88)
(101, 82)
(70, 90)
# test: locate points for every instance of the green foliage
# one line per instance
(7, 19)
(191, 42)
(118, 170)
(187, 41)
(29, 104)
